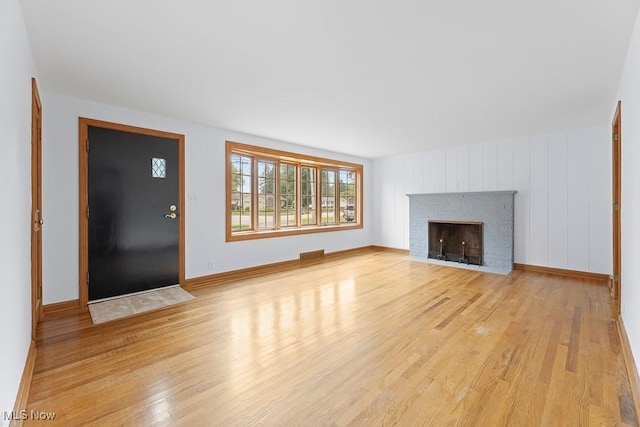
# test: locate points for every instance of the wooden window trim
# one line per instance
(262, 153)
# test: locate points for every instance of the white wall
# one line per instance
(15, 189)
(205, 206)
(563, 179)
(629, 94)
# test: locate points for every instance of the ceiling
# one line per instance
(366, 77)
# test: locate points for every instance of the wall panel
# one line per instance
(490, 166)
(562, 216)
(505, 165)
(539, 200)
(600, 215)
(558, 203)
(522, 200)
(451, 159)
(417, 186)
(475, 168)
(578, 201)
(428, 173)
(439, 171)
(462, 169)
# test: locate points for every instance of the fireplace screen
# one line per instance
(456, 241)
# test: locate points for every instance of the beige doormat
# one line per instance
(116, 308)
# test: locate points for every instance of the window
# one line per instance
(347, 195)
(158, 168)
(328, 197)
(266, 195)
(274, 193)
(308, 195)
(288, 173)
(240, 192)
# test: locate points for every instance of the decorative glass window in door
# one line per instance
(158, 168)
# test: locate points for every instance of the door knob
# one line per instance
(172, 215)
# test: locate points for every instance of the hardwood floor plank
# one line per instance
(457, 312)
(374, 338)
(551, 350)
(574, 342)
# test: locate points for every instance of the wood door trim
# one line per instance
(616, 149)
(83, 170)
(36, 208)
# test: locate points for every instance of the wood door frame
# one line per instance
(36, 208)
(83, 155)
(616, 154)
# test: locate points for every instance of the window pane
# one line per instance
(328, 196)
(287, 195)
(347, 196)
(266, 195)
(240, 193)
(158, 168)
(308, 194)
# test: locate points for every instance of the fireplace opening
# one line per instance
(456, 241)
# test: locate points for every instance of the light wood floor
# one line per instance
(372, 339)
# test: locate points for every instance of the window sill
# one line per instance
(266, 234)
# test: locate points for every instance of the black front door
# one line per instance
(133, 224)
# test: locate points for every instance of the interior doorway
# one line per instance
(36, 208)
(616, 144)
(131, 209)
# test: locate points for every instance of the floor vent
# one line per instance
(312, 256)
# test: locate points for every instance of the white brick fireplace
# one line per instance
(494, 209)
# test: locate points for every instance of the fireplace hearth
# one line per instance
(456, 241)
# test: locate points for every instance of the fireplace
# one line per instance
(492, 211)
(457, 241)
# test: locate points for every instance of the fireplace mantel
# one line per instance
(495, 209)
